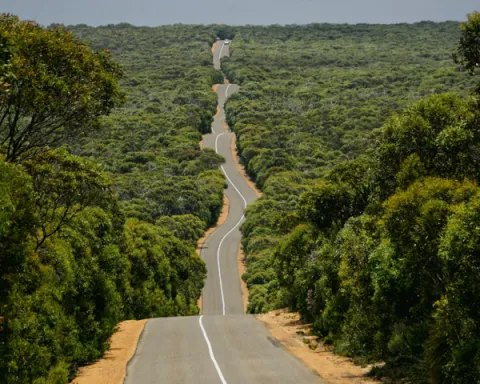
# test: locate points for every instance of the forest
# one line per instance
(364, 140)
(104, 188)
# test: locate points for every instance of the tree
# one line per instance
(326, 203)
(290, 256)
(186, 227)
(453, 349)
(468, 51)
(166, 275)
(437, 136)
(69, 267)
(55, 88)
(17, 221)
(65, 185)
(5, 57)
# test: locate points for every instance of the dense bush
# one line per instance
(367, 225)
(102, 201)
(150, 146)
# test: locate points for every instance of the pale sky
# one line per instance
(237, 12)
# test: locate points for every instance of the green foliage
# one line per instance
(17, 221)
(325, 204)
(166, 275)
(150, 146)
(64, 300)
(435, 136)
(299, 117)
(186, 227)
(291, 255)
(65, 186)
(104, 228)
(310, 95)
(368, 225)
(55, 88)
(225, 32)
(456, 332)
(468, 48)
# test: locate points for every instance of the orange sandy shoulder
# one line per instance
(293, 334)
(241, 169)
(242, 268)
(241, 262)
(221, 219)
(112, 368)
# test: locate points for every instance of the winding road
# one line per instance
(223, 345)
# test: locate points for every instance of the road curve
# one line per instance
(223, 345)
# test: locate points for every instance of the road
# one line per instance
(224, 345)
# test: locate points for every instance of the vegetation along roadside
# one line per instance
(105, 190)
(364, 141)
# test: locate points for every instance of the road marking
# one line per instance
(216, 141)
(235, 227)
(226, 91)
(225, 173)
(234, 186)
(218, 260)
(220, 55)
(210, 351)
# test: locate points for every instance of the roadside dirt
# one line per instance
(221, 219)
(112, 368)
(293, 334)
(241, 169)
(242, 268)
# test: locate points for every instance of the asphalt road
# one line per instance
(224, 345)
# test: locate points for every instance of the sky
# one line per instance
(236, 12)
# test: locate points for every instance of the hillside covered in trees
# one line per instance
(369, 220)
(365, 142)
(105, 190)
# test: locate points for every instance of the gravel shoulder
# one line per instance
(242, 268)
(293, 334)
(112, 368)
(241, 169)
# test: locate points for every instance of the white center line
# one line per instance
(221, 49)
(226, 91)
(210, 351)
(209, 345)
(225, 173)
(218, 260)
(229, 232)
(234, 186)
